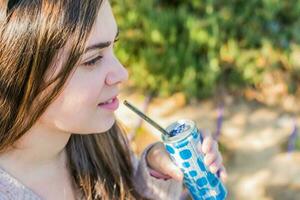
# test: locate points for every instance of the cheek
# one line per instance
(83, 90)
(75, 107)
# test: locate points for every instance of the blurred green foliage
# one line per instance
(194, 46)
(297, 143)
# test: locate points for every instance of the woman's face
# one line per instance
(94, 81)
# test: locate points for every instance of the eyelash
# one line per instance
(94, 60)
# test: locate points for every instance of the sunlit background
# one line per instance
(233, 66)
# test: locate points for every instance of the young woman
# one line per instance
(59, 82)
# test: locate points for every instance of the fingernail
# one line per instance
(213, 169)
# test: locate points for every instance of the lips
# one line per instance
(107, 102)
(111, 104)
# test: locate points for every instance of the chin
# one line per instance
(99, 126)
(107, 125)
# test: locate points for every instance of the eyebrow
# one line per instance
(101, 45)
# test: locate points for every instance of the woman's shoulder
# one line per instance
(11, 188)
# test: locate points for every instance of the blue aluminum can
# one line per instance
(181, 144)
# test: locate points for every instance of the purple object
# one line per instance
(219, 121)
(293, 138)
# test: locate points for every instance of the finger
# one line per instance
(207, 144)
(206, 133)
(209, 158)
(169, 168)
(223, 174)
(216, 164)
(215, 147)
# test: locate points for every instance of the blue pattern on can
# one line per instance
(181, 144)
(170, 149)
(212, 179)
(203, 191)
(222, 192)
(186, 164)
(201, 182)
(195, 134)
(200, 134)
(201, 164)
(193, 173)
(210, 198)
(185, 154)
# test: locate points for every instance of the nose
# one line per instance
(117, 74)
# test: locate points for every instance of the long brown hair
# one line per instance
(31, 34)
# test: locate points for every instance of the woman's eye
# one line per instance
(93, 61)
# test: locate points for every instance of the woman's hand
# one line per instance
(159, 160)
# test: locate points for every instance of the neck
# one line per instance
(39, 147)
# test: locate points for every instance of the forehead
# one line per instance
(105, 27)
(103, 30)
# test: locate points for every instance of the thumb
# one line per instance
(160, 161)
(174, 171)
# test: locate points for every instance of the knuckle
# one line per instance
(209, 158)
(215, 144)
(213, 156)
